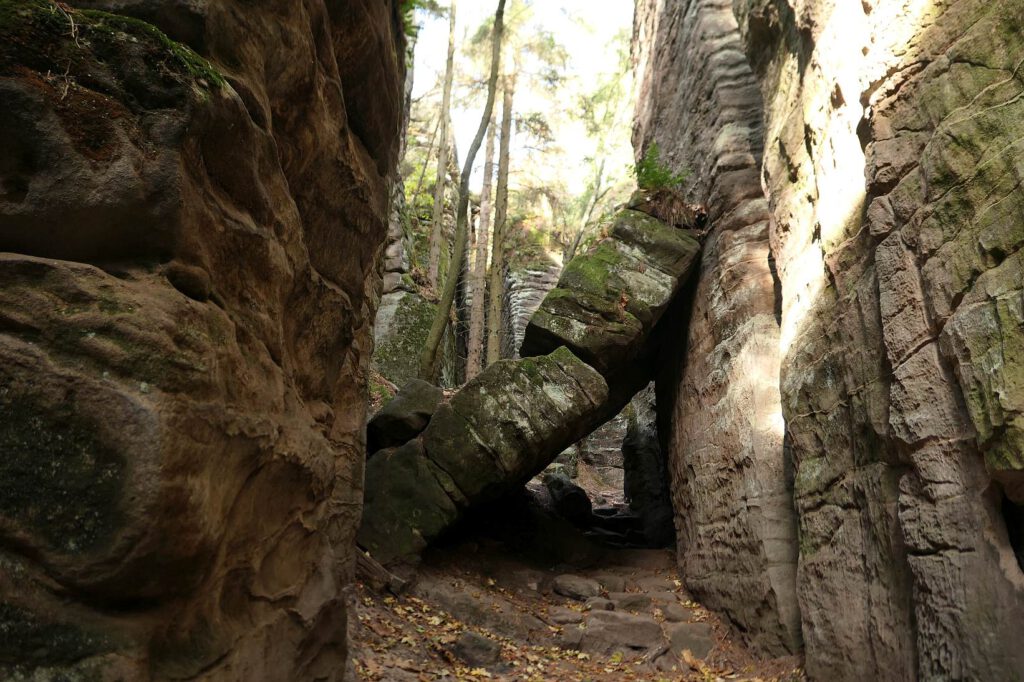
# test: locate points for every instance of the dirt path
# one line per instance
(480, 611)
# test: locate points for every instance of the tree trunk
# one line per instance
(595, 199)
(426, 162)
(474, 361)
(497, 288)
(428, 358)
(437, 229)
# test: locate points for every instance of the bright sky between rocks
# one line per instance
(584, 27)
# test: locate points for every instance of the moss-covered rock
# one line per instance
(500, 429)
(403, 322)
(609, 299)
(27, 640)
(408, 503)
(57, 479)
(404, 417)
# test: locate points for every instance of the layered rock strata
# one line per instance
(524, 291)
(186, 294)
(718, 388)
(891, 173)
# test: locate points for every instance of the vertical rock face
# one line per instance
(720, 403)
(186, 294)
(646, 478)
(524, 291)
(891, 168)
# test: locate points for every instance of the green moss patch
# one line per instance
(27, 640)
(56, 479)
(96, 68)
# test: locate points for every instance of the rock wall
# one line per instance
(718, 392)
(891, 168)
(190, 253)
(524, 291)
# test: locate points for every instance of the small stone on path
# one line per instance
(576, 587)
(698, 638)
(476, 650)
(599, 604)
(563, 616)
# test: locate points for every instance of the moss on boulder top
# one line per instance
(609, 299)
(89, 47)
(500, 429)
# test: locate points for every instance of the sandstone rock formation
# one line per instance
(186, 296)
(608, 300)
(890, 170)
(513, 419)
(718, 390)
(645, 479)
(404, 417)
(497, 432)
(525, 289)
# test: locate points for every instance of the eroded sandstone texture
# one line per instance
(720, 404)
(186, 291)
(891, 166)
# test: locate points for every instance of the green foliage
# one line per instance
(409, 8)
(652, 174)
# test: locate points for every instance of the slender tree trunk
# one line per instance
(437, 230)
(428, 358)
(588, 215)
(426, 159)
(474, 361)
(497, 287)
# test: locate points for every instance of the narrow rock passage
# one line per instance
(587, 351)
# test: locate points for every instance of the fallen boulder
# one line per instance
(404, 417)
(498, 431)
(608, 300)
(587, 351)
(570, 500)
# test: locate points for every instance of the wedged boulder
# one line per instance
(498, 431)
(608, 300)
(404, 417)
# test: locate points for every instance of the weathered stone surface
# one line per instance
(476, 650)
(497, 432)
(896, 487)
(608, 632)
(576, 587)
(186, 291)
(525, 290)
(599, 604)
(602, 450)
(403, 417)
(570, 500)
(470, 605)
(890, 167)
(717, 388)
(646, 479)
(887, 453)
(403, 321)
(608, 300)
(697, 638)
(563, 616)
